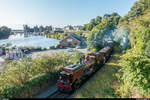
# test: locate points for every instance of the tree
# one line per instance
(4, 32)
(106, 16)
(98, 20)
(91, 25)
(137, 10)
(145, 23)
(46, 32)
(143, 42)
(95, 39)
(136, 63)
(93, 22)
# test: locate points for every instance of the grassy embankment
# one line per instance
(28, 77)
(104, 85)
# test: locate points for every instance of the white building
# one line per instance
(14, 54)
(1, 51)
(59, 30)
(68, 28)
(2, 64)
(17, 31)
(78, 28)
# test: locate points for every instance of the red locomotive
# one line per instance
(72, 76)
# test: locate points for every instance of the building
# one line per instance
(78, 28)
(71, 41)
(2, 64)
(58, 30)
(1, 51)
(26, 28)
(41, 29)
(49, 28)
(36, 29)
(17, 31)
(14, 54)
(68, 28)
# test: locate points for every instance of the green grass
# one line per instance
(104, 85)
(20, 77)
(27, 77)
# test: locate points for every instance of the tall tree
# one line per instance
(98, 20)
(4, 32)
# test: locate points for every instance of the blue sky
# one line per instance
(15, 13)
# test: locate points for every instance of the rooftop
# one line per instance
(75, 36)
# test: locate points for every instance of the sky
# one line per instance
(58, 13)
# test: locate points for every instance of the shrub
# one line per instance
(22, 75)
(136, 68)
(77, 56)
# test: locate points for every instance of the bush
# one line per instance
(38, 48)
(136, 68)
(52, 47)
(93, 50)
(22, 75)
(77, 56)
(58, 45)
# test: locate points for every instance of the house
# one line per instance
(71, 41)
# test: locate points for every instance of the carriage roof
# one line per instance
(74, 67)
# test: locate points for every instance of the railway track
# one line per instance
(58, 94)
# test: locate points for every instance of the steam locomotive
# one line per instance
(71, 76)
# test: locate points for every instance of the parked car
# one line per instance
(70, 50)
(78, 47)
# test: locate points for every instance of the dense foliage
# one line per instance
(137, 10)
(4, 32)
(92, 24)
(136, 61)
(22, 75)
(95, 38)
(77, 56)
(59, 36)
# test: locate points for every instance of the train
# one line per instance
(71, 77)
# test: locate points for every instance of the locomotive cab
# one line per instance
(65, 77)
(68, 77)
(65, 81)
